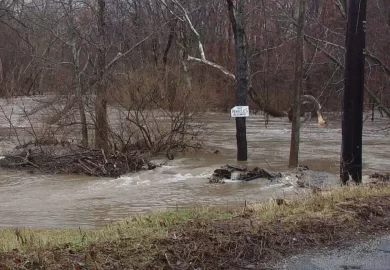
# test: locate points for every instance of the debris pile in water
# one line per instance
(379, 178)
(65, 158)
(240, 173)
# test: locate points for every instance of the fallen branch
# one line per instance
(56, 159)
(24, 163)
(263, 106)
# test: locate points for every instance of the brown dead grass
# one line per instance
(248, 240)
(251, 237)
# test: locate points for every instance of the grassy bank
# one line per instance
(206, 238)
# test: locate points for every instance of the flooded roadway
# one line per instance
(74, 201)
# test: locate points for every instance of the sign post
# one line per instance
(239, 111)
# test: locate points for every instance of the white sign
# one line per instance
(240, 111)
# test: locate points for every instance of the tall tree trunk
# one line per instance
(295, 131)
(1, 71)
(183, 54)
(171, 36)
(101, 125)
(77, 75)
(352, 121)
(79, 94)
(237, 21)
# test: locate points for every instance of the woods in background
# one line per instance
(139, 55)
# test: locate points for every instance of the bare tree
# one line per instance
(78, 70)
(237, 16)
(101, 126)
(296, 122)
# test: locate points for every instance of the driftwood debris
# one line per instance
(73, 159)
(240, 173)
(379, 178)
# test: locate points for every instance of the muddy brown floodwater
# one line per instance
(74, 201)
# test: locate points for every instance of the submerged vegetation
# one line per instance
(205, 238)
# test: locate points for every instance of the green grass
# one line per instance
(139, 228)
(136, 237)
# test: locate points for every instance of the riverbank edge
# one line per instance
(207, 238)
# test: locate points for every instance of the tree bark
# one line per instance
(295, 131)
(352, 121)
(77, 75)
(171, 36)
(79, 95)
(101, 125)
(237, 21)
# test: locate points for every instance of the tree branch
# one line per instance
(341, 65)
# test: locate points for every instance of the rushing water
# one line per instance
(73, 201)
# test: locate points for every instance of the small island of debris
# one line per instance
(240, 173)
(66, 158)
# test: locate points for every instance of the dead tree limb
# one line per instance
(202, 58)
(372, 95)
(368, 54)
(318, 107)
(341, 8)
(264, 106)
(252, 93)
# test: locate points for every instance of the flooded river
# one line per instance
(73, 201)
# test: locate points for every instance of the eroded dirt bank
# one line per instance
(247, 238)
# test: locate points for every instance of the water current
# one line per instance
(73, 201)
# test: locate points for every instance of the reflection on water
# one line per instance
(73, 201)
